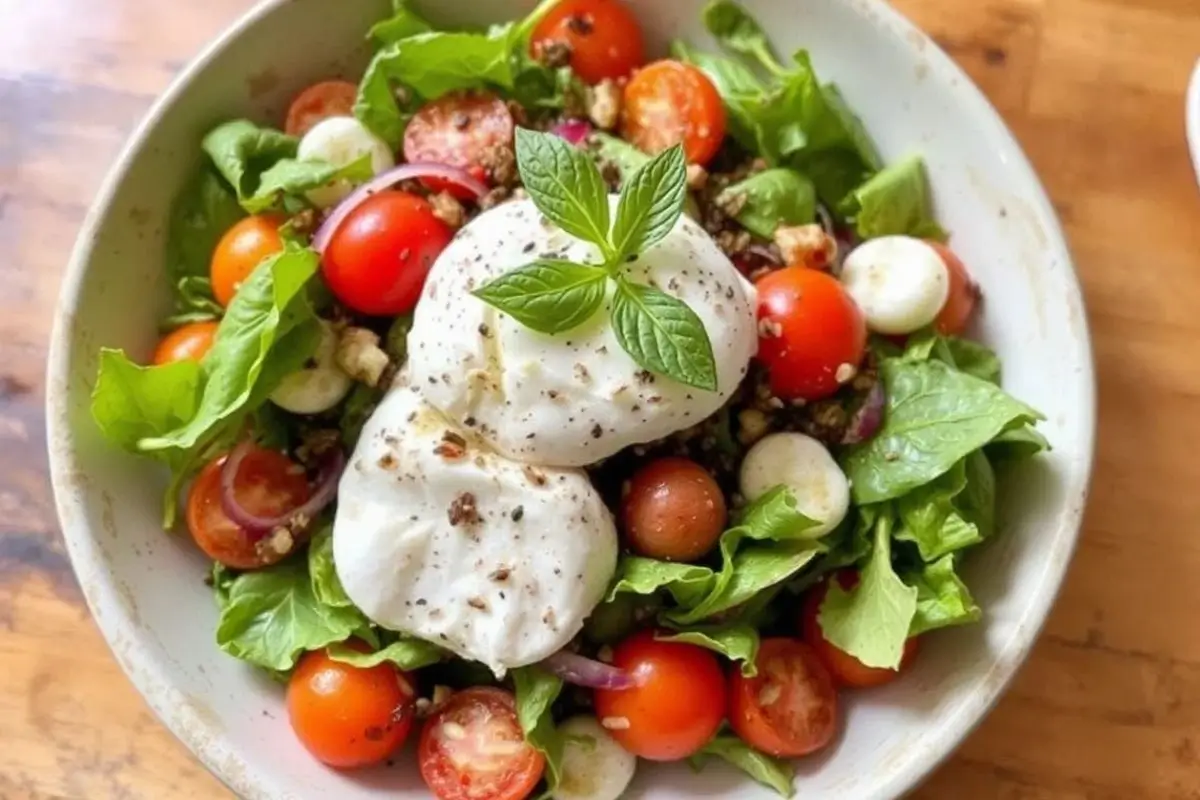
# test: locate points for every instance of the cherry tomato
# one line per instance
(319, 102)
(378, 258)
(812, 334)
(604, 37)
(845, 669)
(473, 749)
(674, 510)
(668, 103)
(463, 130)
(960, 305)
(190, 341)
(241, 249)
(268, 484)
(348, 716)
(789, 709)
(676, 707)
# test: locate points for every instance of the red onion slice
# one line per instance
(868, 418)
(765, 253)
(325, 489)
(581, 671)
(388, 179)
(574, 131)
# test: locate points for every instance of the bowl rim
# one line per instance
(205, 739)
(1193, 117)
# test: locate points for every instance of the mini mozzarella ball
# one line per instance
(594, 766)
(803, 465)
(341, 141)
(900, 283)
(318, 387)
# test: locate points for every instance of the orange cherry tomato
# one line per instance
(669, 103)
(191, 341)
(604, 37)
(319, 102)
(812, 334)
(789, 709)
(473, 749)
(960, 305)
(846, 670)
(677, 705)
(674, 510)
(241, 249)
(268, 484)
(347, 716)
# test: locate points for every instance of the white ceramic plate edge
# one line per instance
(1193, 118)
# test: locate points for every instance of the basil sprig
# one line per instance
(659, 332)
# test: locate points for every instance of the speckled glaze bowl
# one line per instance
(145, 586)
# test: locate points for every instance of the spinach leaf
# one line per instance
(536, 691)
(200, 215)
(942, 598)
(936, 416)
(407, 654)
(773, 198)
(894, 202)
(735, 642)
(774, 773)
(242, 151)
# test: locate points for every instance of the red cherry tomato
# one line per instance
(463, 130)
(241, 249)
(812, 334)
(268, 484)
(192, 341)
(347, 716)
(846, 670)
(789, 709)
(960, 305)
(318, 103)
(676, 707)
(378, 258)
(669, 103)
(604, 37)
(674, 510)
(473, 749)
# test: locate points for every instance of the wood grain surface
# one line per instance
(1109, 706)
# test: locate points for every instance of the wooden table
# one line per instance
(1109, 706)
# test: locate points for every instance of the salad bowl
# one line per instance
(144, 586)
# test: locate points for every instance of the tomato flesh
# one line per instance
(674, 510)
(812, 334)
(189, 342)
(461, 129)
(670, 103)
(789, 709)
(677, 705)
(604, 38)
(241, 249)
(473, 749)
(318, 103)
(379, 257)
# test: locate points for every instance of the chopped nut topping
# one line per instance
(604, 104)
(447, 208)
(806, 246)
(463, 511)
(697, 177)
(754, 425)
(452, 447)
(360, 356)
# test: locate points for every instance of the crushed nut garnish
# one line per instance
(452, 447)
(478, 603)
(604, 104)
(463, 510)
(806, 246)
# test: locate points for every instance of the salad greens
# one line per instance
(774, 773)
(772, 198)
(536, 690)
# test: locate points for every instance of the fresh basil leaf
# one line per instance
(242, 151)
(687, 584)
(895, 202)
(290, 178)
(565, 186)
(774, 773)
(735, 642)
(733, 27)
(930, 519)
(872, 621)
(773, 198)
(942, 598)
(131, 402)
(936, 416)
(200, 215)
(272, 616)
(326, 585)
(663, 335)
(651, 203)
(549, 296)
(403, 23)
(536, 691)
(406, 654)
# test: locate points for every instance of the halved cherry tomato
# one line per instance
(669, 103)
(673, 510)
(845, 669)
(379, 257)
(677, 705)
(789, 709)
(473, 749)
(191, 341)
(319, 102)
(956, 314)
(241, 249)
(463, 130)
(604, 37)
(812, 334)
(348, 716)
(268, 484)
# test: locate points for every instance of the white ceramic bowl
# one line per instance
(144, 587)
(1193, 118)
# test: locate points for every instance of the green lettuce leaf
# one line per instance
(936, 417)
(894, 202)
(942, 598)
(618, 152)
(290, 178)
(536, 691)
(931, 519)
(774, 773)
(200, 215)
(194, 302)
(242, 151)
(326, 585)
(773, 198)
(1016, 444)
(738, 86)
(406, 654)
(686, 583)
(403, 23)
(131, 402)
(737, 31)
(735, 642)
